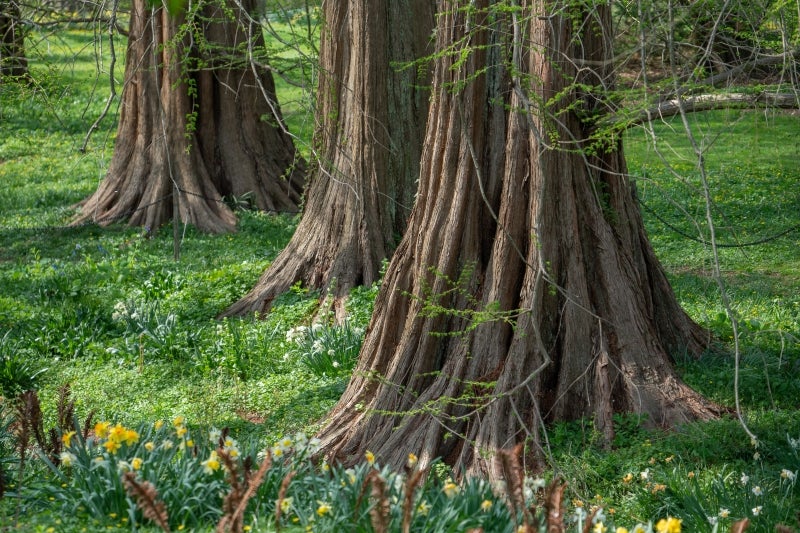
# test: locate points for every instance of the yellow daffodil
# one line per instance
(423, 508)
(101, 429)
(323, 509)
(180, 431)
(66, 438)
(370, 457)
(149, 446)
(285, 505)
(621, 530)
(178, 421)
(158, 424)
(131, 437)
(599, 527)
(211, 464)
(412, 460)
(669, 525)
(111, 446)
(136, 463)
(117, 433)
(450, 489)
(486, 505)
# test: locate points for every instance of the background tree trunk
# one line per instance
(372, 118)
(525, 289)
(12, 41)
(194, 122)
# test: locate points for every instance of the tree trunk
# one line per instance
(525, 289)
(194, 123)
(13, 63)
(372, 120)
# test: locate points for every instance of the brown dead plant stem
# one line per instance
(282, 496)
(241, 492)
(147, 500)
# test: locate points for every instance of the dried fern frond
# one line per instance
(412, 482)
(379, 514)
(146, 498)
(555, 512)
(236, 501)
(740, 526)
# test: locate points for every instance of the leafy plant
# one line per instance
(18, 372)
(326, 350)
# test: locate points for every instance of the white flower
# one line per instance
(712, 520)
(67, 459)
(724, 513)
(214, 435)
(744, 479)
(645, 474)
(756, 456)
(317, 346)
(788, 474)
(757, 491)
(335, 364)
(757, 510)
(794, 443)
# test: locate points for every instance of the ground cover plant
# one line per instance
(109, 312)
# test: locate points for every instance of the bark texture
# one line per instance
(371, 123)
(205, 123)
(516, 220)
(12, 41)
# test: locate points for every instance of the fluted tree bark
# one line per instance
(198, 119)
(13, 63)
(371, 117)
(525, 289)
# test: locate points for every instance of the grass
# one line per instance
(133, 332)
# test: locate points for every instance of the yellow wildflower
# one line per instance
(101, 429)
(149, 446)
(370, 457)
(599, 527)
(486, 505)
(621, 530)
(190, 443)
(181, 431)
(286, 504)
(669, 525)
(67, 459)
(158, 424)
(136, 463)
(178, 421)
(412, 460)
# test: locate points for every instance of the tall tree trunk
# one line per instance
(369, 137)
(525, 289)
(206, 125)
(12, 41)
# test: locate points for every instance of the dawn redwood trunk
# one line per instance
(525, 289)
(12, 41)
(203, 122)
(371, 119)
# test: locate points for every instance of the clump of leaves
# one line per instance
(17, 372)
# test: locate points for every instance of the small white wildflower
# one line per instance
(645, 474)
(788, 474)
(317, 346)
(335, 364)
(331, 352)
(757, 491)
(724, 513)
(712, 520)
(67, 459)
(744, 479)
(757, 510)
(756, 456)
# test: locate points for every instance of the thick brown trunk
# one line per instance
(12, 41)
(512, 215)
(197, 130)
(369, 141)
